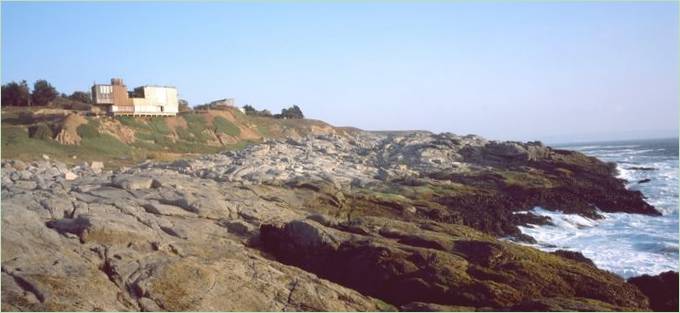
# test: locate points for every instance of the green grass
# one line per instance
(132, 122)
(157, 124)
(16, 144)
(196, 124)
(157, 138)
(89, 130)
(105, 144)
(222, 125)
(263, 130)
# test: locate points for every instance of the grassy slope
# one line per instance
(157, 138)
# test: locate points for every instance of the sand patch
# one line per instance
(116, 129)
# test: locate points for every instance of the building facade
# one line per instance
(145, 100)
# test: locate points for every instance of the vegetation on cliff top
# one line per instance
(30, 132)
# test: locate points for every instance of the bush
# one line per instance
(41, 131)
(43, 93)
(222, 125)
(293, 112)
(250, 110)
(80, 96)
(16, 94)
(183, 105)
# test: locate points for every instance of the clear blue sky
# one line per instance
(551, 71)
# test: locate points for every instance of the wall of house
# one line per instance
(102, 94)
(165, 97)
(120, 94)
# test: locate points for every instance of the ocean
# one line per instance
(625, 244)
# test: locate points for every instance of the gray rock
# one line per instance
(130, 182)
(25, 184)
(239, 227)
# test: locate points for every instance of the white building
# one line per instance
(144, 100)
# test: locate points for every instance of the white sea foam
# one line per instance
(626, 244)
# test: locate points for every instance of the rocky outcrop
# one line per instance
(661, 289)
(403, 263)
(149, 240)
(327, 223)
(445, 177)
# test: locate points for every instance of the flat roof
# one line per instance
(157, 86)
(160, 86)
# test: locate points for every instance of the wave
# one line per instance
(626, 244)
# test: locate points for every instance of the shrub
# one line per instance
(81, 96)
(250, 110)
(222, 125)
(43, 93)
(183, 105)
(16, 94)
(293, 112)
(41, 131)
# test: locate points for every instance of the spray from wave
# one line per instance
(626, 244)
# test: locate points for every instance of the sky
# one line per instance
(556, 72)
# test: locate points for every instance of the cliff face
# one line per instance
(353, 222)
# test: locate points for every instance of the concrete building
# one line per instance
(145, 100)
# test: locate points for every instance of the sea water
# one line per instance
(626, 244)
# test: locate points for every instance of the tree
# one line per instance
(249, 109)
(43, 93)
(183, 105)
(16, 94)
(293, 112)
(81, 96)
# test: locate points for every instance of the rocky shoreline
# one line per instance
(358, 222)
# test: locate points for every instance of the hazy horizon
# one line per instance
(555, 72)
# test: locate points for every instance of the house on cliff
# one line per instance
(148, 100)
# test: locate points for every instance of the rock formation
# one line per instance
(365, 222)
(661, 289)
(68, 134)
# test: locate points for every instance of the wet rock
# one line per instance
(574, 255)
(661, 289)
(475, 271)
